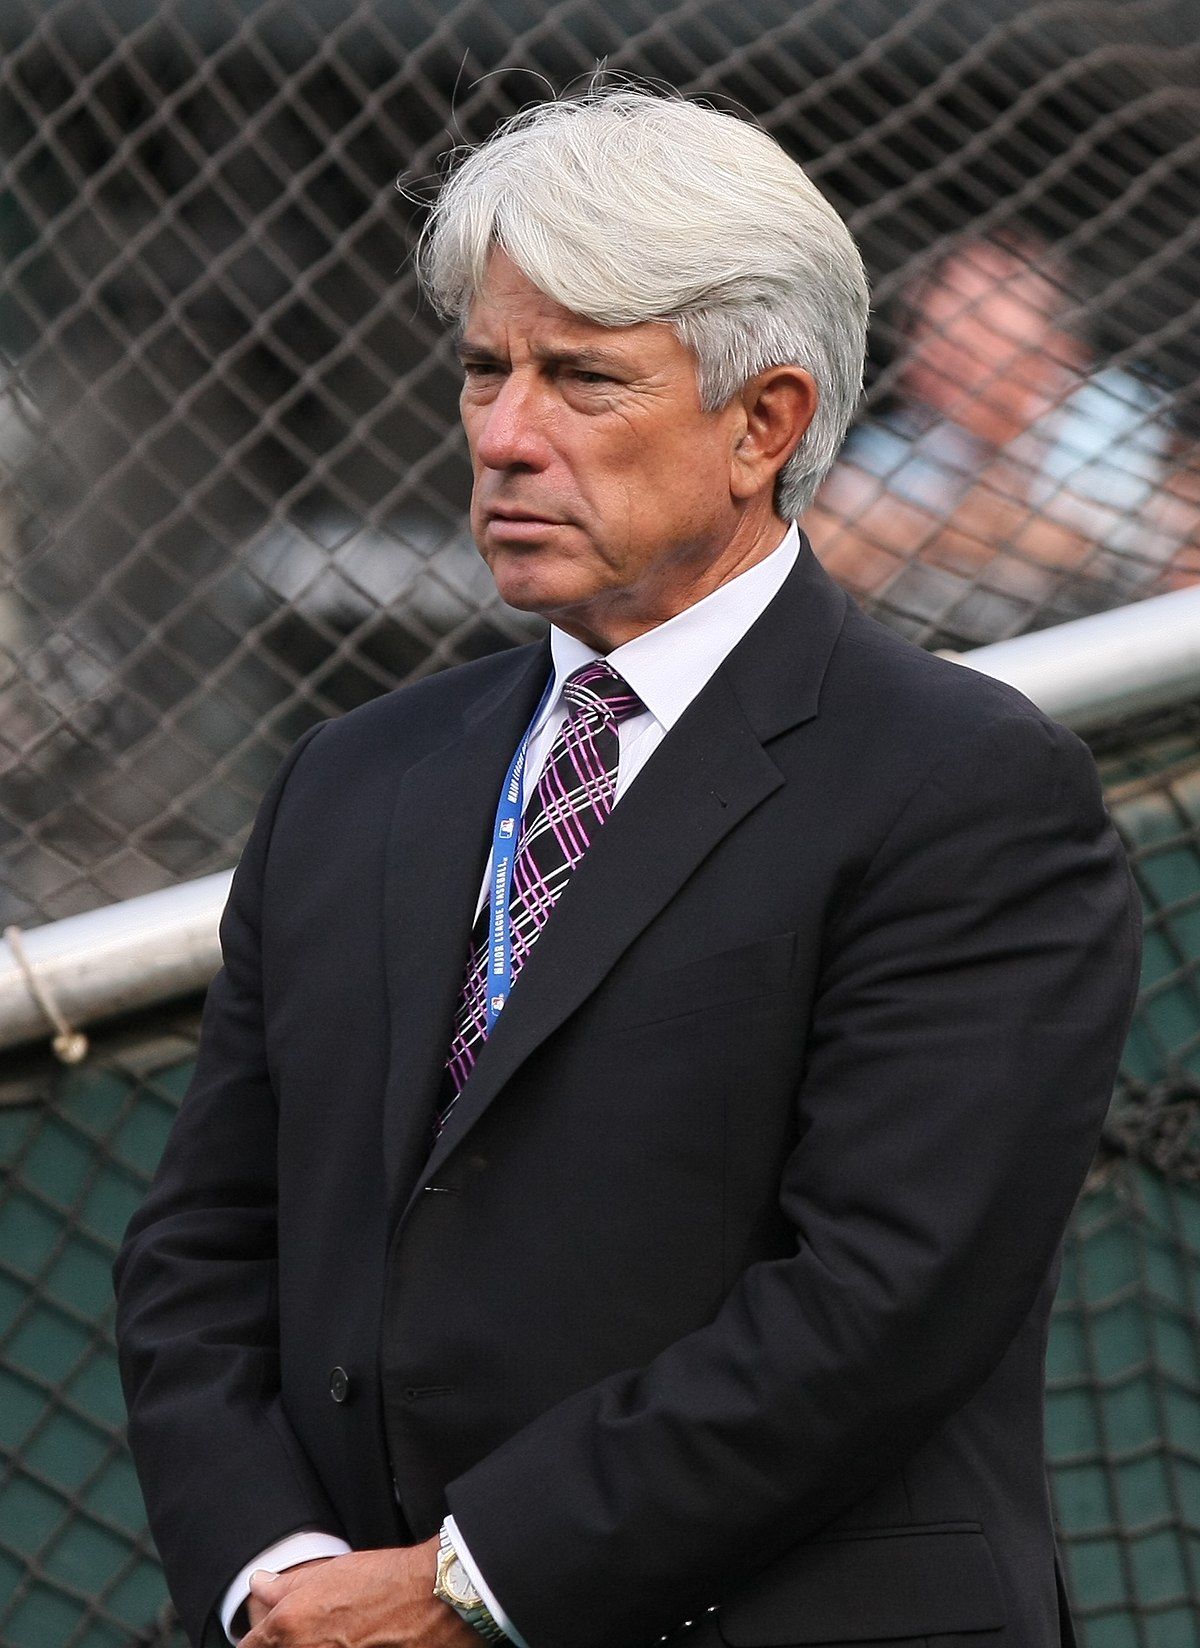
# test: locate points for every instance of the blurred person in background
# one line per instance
(1011, 477)
(653, 1068)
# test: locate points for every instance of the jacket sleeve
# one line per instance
(973, 1002)
(222, 1473)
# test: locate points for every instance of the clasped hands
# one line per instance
(366, 1599)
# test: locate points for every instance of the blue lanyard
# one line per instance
(505, 834)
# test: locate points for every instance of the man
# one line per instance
(710, 1268)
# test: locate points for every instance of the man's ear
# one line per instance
(778, 405)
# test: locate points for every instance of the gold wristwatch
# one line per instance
(455, 1586)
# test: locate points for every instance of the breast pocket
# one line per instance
(711, 981)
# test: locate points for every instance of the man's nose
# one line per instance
(512, 432)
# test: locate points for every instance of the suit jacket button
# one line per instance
(339, 1384)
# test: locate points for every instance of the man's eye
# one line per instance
(590, 377)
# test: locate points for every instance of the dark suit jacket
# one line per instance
(728, 1280)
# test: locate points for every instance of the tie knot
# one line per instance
(598, 687)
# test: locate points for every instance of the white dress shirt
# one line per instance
(666, 667)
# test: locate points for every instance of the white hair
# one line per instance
(625, 206)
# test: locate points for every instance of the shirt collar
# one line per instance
(669, 665)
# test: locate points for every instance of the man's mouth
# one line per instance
(512, 524)
(520, 512)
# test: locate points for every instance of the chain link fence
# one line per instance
(77, 1569)
(232, 498)
(231, 481)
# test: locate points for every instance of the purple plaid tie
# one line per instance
(573, 798)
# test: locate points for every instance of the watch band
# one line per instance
(466, 1602)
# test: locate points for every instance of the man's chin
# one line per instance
(527, 595)
(528, 582)
(573, 611)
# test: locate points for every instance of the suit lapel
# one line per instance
(438, 844)
(709, 772)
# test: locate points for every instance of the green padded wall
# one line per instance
(1123, 1411)
(77, 1569)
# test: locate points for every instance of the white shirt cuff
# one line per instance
(285, 1553)
(482, 1586)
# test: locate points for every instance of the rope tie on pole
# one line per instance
(70, 1046)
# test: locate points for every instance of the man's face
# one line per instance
(989, 350)
(602, 493)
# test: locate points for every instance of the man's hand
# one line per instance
(367, 1599)
(259, 1609)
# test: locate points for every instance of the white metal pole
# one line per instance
(133, 954)
(1097, 671)
(1090, 673)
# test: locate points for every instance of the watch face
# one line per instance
(459, 1587)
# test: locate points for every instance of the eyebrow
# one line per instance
(586, 360)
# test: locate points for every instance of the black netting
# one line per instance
(231, 482)
(231, 501)
(1152, 780)
(1123, 1412)
(77, 1569)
